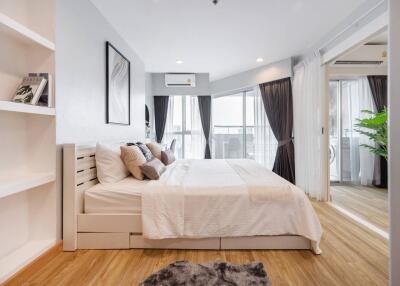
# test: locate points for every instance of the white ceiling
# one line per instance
(224, 39)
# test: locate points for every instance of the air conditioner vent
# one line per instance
(358, 62)
(366, 55)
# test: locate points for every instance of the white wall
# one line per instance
(253, 77)
(159, 88)
(394, 140)
(81, 33)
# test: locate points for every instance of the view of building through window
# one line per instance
(241, 128)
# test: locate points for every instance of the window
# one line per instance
(241, 128)
(184, 125)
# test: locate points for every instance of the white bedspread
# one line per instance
(224, 198)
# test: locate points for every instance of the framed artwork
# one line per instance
(118, 87)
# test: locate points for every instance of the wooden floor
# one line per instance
(368, 203)
(351, 255)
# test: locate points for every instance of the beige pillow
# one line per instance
(133, 158)
(110, 168)
(155, 149)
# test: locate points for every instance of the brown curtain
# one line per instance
(205, 115)
(378, 85)
(160, 115)
(278, 104)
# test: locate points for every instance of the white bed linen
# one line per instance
(121, 197)
(208, 198)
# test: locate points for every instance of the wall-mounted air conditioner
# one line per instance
(366, 55)
(180, 79)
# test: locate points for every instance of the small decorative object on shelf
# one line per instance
(46, 98)
(30, 90)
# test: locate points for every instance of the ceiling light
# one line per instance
(259, 60)
(179, 62)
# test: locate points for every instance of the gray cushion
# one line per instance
(145, 150)
(167, 157)
(153, 169)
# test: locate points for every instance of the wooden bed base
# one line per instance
(123, 231)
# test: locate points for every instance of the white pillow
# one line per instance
(110, 167)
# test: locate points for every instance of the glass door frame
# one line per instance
(339, 112)
(338, 129)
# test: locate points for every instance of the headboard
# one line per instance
(79, 174)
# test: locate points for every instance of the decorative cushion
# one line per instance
(167, 157)
(145, 150)
(155, 149)
(110, 168)
(153, 169)
(133, 158)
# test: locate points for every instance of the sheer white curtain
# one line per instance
(265, 143)
(308, 91)
(197, 142)
(350, 137)
(366, 157)
(184, 125)
(358, 164)
(169, 126)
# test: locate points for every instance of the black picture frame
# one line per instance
(110, 93)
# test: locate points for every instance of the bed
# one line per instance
(197, 204)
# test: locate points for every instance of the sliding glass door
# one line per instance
(334, 131)
(344, 140)
(241, 128)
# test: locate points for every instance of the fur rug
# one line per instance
(214, 274)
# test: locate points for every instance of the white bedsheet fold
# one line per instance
(262, 184)
(226, 198)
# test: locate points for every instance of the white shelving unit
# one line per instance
(24, 255)
(12, 28)
(28, 136)
(26, 108)
(20, 183)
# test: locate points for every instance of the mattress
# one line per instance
(124, 196)
(226, 198)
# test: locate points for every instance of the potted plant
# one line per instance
(375, 128)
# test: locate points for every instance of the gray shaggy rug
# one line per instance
(214, 274)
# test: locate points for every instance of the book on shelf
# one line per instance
(46, 99)
(30, 90)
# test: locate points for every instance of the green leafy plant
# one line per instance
(375, 128)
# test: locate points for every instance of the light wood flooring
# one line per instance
(368, 203)
(352, 255)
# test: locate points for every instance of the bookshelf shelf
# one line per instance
(22, 256)
(26, 108)
(26, 181)
(23, 34)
